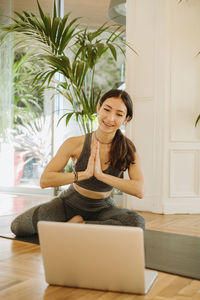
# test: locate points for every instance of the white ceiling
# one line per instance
(93, 12)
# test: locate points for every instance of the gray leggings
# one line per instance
(69, 204)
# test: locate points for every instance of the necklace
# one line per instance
(100, 141)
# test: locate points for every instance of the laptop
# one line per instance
(103, 257)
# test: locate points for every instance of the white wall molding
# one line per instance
(182, 206)
(164, 81)
(184, 173)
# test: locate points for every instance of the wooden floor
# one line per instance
(22, 275)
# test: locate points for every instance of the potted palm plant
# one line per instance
(71, 51)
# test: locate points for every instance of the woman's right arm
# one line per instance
(52, 175)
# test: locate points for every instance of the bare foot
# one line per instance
(77, 219)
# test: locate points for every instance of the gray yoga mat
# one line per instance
(173, 253)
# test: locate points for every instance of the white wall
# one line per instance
(164, 82)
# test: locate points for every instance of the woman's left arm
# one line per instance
(133, 186)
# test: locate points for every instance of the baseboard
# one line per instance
(155, 204)
(180, 207)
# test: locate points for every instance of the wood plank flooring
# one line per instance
(22, 275)
(188, 224)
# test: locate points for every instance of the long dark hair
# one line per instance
(122, 152)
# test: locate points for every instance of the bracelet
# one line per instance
(75, 176)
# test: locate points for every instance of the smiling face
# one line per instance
(112, 114)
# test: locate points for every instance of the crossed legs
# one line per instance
(54, 210)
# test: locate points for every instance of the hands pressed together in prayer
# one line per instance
(94, 163)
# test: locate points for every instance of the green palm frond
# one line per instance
(56, 33)
(92, 45)
(71, 51)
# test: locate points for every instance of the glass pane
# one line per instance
(6, 99)
(27, 127)
(25, 116)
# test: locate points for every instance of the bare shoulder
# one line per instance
(74, 140)
(72, 146)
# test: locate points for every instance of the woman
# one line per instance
(100, 159)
